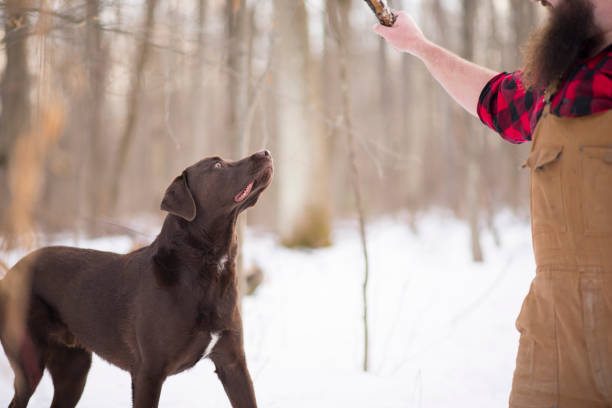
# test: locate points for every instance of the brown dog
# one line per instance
(153, 312)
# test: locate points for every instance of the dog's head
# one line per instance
(214, 188)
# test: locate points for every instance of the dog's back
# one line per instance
(46, 300)
(70, 286)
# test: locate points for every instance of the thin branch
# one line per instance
(346, 115)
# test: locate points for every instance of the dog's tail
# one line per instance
(15, 293)
(14, 300)
(3, 271)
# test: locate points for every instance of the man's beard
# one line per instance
(552, 50)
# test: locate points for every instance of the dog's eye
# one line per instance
(218, 165)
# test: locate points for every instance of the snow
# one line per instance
(441, 326)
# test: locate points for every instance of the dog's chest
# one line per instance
(221, 264)
(201, 347)
(215, 313)
(216, 297)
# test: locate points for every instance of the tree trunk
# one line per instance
(523, 18)
(414, 128)
(198, 113)
(14, 93)
(470, 140)
(237, 18)
(96, 71)
(133, 102)
(492, 152)
(303, 183)
(236, 14)
(442, 144)
(385, 91)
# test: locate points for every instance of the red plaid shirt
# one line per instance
(513, 111)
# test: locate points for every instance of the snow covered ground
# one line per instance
(441, 327)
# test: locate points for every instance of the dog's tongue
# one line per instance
(244, 193)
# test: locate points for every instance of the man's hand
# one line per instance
(404, 36)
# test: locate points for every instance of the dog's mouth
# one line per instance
(261, 181)
(244, 193)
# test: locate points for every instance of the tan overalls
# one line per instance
(565, 350)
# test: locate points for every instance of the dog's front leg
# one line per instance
(146, 388)
(231, 368)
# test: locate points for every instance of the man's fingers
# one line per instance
(381, 29)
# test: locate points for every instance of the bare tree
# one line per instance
(472, 145)
(133, 102)
(237, 26)
(237, 86)
(14, 94)
(414, 128)
(341, 23)
(385, 90)
(523, 19)
(96, 65)
(303, 189)
(436, 118)
(198, 115)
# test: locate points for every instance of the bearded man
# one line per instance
(561, 101)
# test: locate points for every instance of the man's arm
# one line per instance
(463, 80)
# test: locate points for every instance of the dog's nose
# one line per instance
(263, 154)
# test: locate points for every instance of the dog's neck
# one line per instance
(214, 238)
(214, 243)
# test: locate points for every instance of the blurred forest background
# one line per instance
(103, 102)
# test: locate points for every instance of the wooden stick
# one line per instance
(384, 15)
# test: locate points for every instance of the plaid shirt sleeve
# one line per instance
(506, 107)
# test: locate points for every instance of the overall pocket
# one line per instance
(596, 325)
(597, 189)
(547, 209)
(536, 373)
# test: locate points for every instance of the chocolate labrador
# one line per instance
(153, 312)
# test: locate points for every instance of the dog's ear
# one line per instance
(178, 199)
